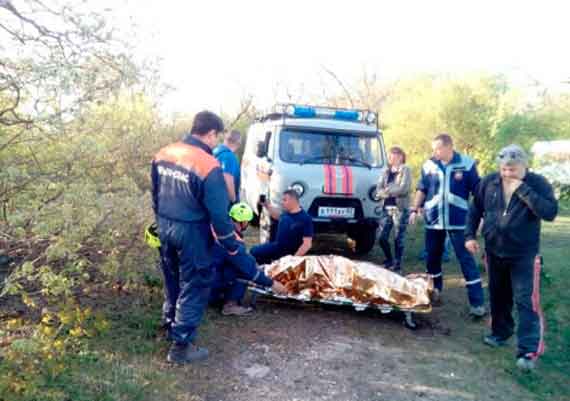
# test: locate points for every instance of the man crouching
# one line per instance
(512, 203)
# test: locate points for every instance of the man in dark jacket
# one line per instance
(512, 203)
(191, 203)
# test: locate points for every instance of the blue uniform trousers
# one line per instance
(187, 268)
(434, 242)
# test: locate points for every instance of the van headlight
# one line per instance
(372, 194)
(298, 187)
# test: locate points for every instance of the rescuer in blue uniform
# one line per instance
(190, 201)
(232, 270)
(447, 180)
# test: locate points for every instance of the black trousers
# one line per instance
(517, 281)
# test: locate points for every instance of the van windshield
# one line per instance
(316, 147)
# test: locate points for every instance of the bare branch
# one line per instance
(245, 106)
(340, 83)
(12, 140)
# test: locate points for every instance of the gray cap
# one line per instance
(512, 154)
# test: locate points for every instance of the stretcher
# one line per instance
(335, 280)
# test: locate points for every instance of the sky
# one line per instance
(215, 52)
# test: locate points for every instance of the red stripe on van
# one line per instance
(349, 180)
(326, 169)
(333, 179)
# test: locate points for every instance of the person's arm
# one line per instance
(403, 188)
(217, 203)
(380, 190)
(474, 179)
(246, 265)
(539, 200)
(154, 187)
(417, 206)
(308, 232)
(229, 166)
(274, 212)
(230, 184)
(420, 197)
(475, 213)
(305, 246)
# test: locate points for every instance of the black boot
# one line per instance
(186, 353)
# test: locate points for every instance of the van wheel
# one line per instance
(365, 238)
(267, 227)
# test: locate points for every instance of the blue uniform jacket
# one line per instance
(229, 164)
(447, 189)
(188, 187)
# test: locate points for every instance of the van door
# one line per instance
(263, 169)
(249, 162)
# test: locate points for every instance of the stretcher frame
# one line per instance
(408, 313)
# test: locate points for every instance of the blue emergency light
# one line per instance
(347, 115)
(304, 111)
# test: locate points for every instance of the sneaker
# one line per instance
(236, 310)
(477, 311)
(189, 353)
(526, 364)
(387, 264)
(495, 341)
(435, 297)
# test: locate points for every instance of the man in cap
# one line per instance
(512, 202)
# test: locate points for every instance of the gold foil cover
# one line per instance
(331, 277)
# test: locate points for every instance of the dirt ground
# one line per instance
(311, 352)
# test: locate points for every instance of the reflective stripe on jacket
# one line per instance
(447, 189)
(188, 186)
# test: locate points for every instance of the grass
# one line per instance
(552, 381)
(127, 362)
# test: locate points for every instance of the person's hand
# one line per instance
(382, 194)
(472, 246)
(278, 288)
(414, 216)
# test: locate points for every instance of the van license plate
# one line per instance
(344, 212)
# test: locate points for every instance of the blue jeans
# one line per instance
(435, 240)
(397, 220)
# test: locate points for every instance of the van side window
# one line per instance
(268, 144)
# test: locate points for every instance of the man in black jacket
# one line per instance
(512, 203)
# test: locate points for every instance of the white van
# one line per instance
(332, 157)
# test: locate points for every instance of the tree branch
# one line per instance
(340, 83)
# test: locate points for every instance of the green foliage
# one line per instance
(480, 111)
(81, 357)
